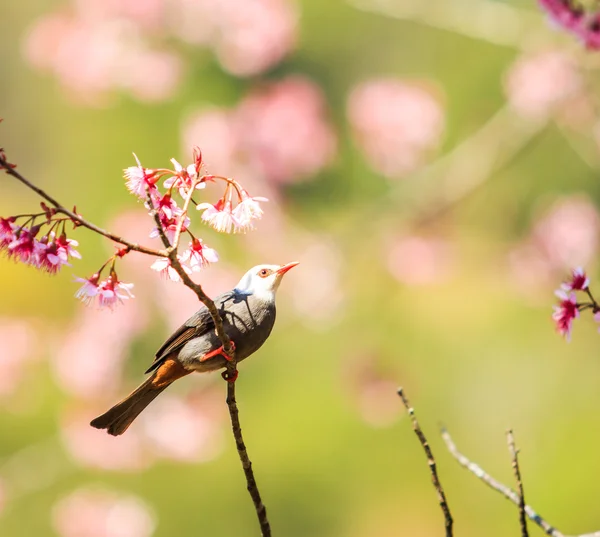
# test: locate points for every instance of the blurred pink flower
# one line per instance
(254, 36)
(569, 232)
(247, 37)
(18, 343)
(284, 131)
(280, 131)
(95, 449)
(88, 362)
(395, 123)
(150, 14)
(416, 260)
(100, 513)
(91, 57)
(183, 430)
(536, 83)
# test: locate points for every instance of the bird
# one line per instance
(248, 313)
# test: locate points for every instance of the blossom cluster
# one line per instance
(22, 239)
(23, 243)
(569, 308)
(570, 16)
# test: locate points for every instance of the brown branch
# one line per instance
(259, 506)
(171, 252)
(75, 217)
(514, 455)
(508, 493)
(432, 465)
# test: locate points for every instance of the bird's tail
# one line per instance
(121, 416)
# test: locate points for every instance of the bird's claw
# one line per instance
(218, 351)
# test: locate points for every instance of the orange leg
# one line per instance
(218, 351)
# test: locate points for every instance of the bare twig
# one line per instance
(508, 493)
(10, 170)
(432, 466)
(514, 455)
(171, 252)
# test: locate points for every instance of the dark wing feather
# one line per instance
(199, 323)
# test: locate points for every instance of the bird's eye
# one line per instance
(263, 273)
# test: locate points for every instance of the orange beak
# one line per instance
(284, 268)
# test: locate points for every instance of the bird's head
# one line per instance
(263, 281)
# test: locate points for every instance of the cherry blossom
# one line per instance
(578, 282)
(163, 265)
(25, 247)
(565, 313)
(247, 210)
(219, 216)
(395, 123)
(100, 513)
(140, 180)
(113, 291)
(198, 255)
(89, 290)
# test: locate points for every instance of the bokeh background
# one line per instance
(434, 168)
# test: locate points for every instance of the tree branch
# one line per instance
(10, 170)
(171, 252)
(432, 465)
(251, 485)
(508, 493)
(512, 448)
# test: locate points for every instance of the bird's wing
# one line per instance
(198, 324)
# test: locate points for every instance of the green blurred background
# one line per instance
(437, 276)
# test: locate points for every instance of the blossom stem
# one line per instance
(75, 217)
(183, 214)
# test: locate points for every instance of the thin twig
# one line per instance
(75, 217)
(432, 465)
(514, 455)
(508, 493)
(251, 485)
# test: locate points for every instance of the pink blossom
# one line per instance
(565, 313)
(140, 180)
(219, 216)
(163, 265)
(198, 255)
(89, 290)
(395, 123)
(25, 247)
(597, 318)
(247, 210)
(537, 83)
(183, 177)
(284, 130)
(7, 231)
(112, 291)
(170, 215)
(569, 233)
(254, 36)
(100, 513)
(563, 13)
(578, 282)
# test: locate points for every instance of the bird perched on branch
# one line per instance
(248, 313)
